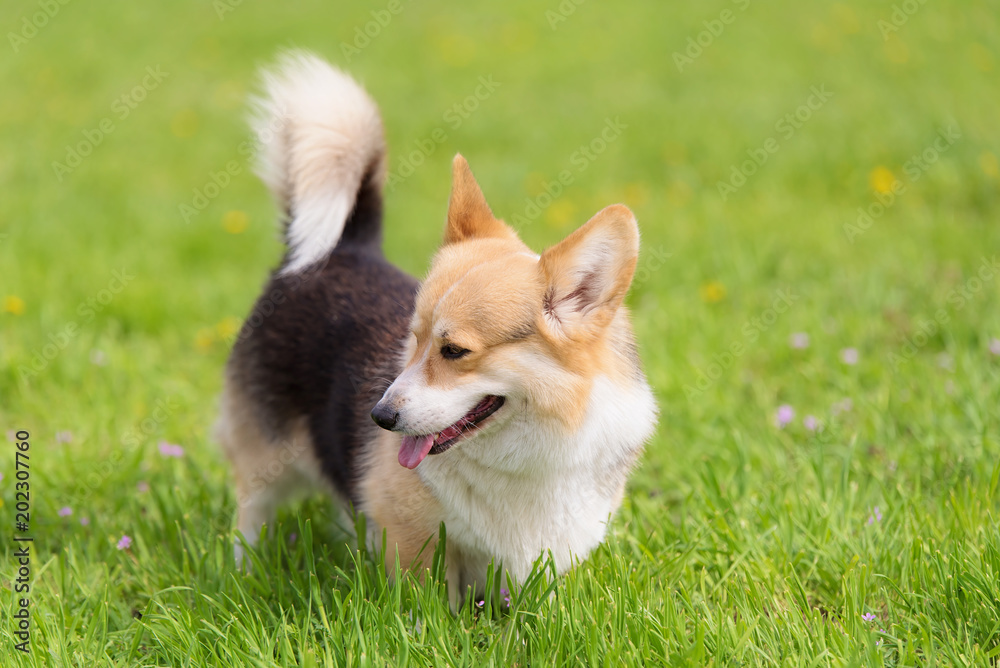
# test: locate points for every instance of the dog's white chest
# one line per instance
(516, 523)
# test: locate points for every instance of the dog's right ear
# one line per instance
(469, 216)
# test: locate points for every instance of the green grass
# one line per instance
(739, 543)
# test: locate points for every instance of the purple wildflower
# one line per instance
(480, 604)
(1, 477)
(849, 356)
(799, 340)
(868, 617)
(142, 486)
(995, 346)
(784, 415)
(170, 449)
(292, 537)
(876, 516)
(810, 422)
(124, 543)
(65, 511)
(84, 521)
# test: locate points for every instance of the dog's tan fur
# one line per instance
(267, 470)
(396, 500)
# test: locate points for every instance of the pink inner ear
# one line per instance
(586, 293)
(589, 271)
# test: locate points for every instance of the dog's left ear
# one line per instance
(588, 273)
(469, 216)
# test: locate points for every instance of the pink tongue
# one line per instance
(414, 449)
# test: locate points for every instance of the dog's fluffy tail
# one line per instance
(322, 155)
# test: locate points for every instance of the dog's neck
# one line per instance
(567, 483)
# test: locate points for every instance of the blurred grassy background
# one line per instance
(919, 430)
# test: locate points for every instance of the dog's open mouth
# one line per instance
(415, 448)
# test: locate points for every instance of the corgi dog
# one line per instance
(503, 396)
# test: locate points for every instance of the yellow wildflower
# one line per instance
(235, 221)
(712, 292)
(881, 179)
(227, 327)
(988, 163)
(13, 304)
(204, 339)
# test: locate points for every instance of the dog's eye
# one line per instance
(453, 352)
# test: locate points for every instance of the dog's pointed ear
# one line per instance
(588, 273)
(469, 216)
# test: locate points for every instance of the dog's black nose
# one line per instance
(385, 416)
